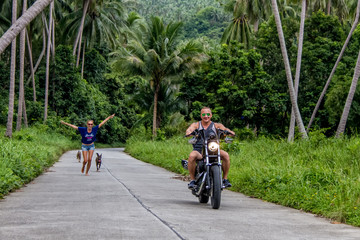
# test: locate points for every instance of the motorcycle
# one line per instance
(208, 172)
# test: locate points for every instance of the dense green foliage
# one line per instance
(236, 87)
(323, 40)
(245, 85)
(28, 154)
(319, 175)
(76, 100)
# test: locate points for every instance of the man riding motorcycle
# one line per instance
(209, 127)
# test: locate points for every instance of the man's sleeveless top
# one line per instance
(207, 132)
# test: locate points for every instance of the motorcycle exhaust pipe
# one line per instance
(201, 185)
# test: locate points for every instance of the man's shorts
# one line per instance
(87, 147)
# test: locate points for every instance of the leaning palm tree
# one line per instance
(288, 70)
(159, 56)
(345, 114)
(22, 22)
(48, 62)
(354, 25)
(81, 27)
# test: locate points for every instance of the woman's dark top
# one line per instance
(88, 138)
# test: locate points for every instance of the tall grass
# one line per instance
(27, 154)
(319, 175)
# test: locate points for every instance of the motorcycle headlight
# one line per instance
(213, 146)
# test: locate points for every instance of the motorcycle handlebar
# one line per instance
(194, 133)
(225, 132)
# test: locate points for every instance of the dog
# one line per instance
(98, 161)
(78, 156)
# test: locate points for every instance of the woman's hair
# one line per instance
(89, 121)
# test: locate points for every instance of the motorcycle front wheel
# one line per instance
(203, 198)
(215, 186)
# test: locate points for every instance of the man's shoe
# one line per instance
(226, 183)
(192, 185)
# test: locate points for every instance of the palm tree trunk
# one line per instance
(21, 77)
(32, 71)
(81, 28)
(9, 124)
(356, 21)
(345, 115)
(288, 70)
(48, 64)
(53, 38)
(42, 51)
(298, 67)
(328, 7)
(83, 60)
(22, 22)
(256, 25)
(24, 114)
(156, 94)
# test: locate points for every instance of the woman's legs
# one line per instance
(88, 151)
(85, 157)
(90, 154)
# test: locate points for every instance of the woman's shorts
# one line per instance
(87, 147)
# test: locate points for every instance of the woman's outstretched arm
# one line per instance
(70, 125)
(107, 119)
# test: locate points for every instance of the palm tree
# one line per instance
(354, 25)
(22, 22)
(21, 77)
(9, 124)
(168, 103)
(298, 67)
(78, 40)
(345, 114)
(32, 69)
(48, 61)
(158, 57)
(238, 29)
(288, 70)
(97, 22)
(134, 27)
(334, 7)
(258, 10)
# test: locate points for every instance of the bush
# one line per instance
(27, 154)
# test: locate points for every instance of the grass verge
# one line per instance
(319, 175)
(27, 154)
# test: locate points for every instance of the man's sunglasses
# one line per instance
(206, 114)
(90, 124)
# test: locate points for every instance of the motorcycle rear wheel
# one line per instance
(215, 187)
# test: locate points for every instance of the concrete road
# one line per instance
(129, 199)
